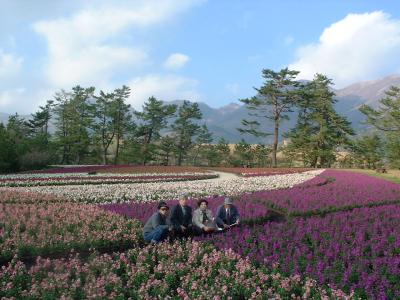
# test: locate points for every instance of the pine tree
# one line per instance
(320, 130)
(153, 118)
(274, 99)
(185, 129)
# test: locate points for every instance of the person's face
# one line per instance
(227, 206)
(183, 201)
(164, 211)
(203, 205)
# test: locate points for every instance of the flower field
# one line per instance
(330, 191)
(186, 270)
(49, 179)
(340, 238)
(250, 172)
(46, 228)
(150, 192)
(355, 250)
(119, 169)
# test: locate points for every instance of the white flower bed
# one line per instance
(147, 192)
(83, 175)
(30, 180)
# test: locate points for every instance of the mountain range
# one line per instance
(224, 121)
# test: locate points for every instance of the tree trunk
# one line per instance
(105, 156)
(117, 150)
(275, 146)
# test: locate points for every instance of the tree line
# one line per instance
(102, 128)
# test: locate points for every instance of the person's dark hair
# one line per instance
(201, 201)
(162, 204)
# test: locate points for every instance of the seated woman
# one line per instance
(203, 220)
(157, 228)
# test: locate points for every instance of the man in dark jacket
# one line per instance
(157, 228)
(181, 218)
(227, 214)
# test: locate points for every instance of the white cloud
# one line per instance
(10, 65)
(358, 47)
(9, 97)
(163, 87)
(176, 61)
(85, 48)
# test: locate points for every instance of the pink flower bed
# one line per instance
(180, 271)
(50, 228)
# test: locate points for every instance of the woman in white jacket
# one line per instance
(203, 219)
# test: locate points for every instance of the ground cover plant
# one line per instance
(142, 211)
(85, 178)
(47, 228)
(150, 192)
(119, 169)
(249, 172)
(330, 191)
(354, 250)
(186, 270)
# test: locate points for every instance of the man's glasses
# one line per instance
(164, 208)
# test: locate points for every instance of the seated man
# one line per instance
(181, 218)
(227, 214)
(157, 228)
(203, 220)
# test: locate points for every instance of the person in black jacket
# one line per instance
(181, 218)
(227, 214)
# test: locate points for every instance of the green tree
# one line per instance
(368, 150)
(104, 127)
(220, 154)
(185, 129)
(8, 155)
(274, 100)
(153, 118)
(386, 118)
(166, 149)
(123, 118)
(74, 117)
(202, 143)
(261, 154)
(244, 154)
(320, 130)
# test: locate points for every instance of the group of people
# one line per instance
(184, 222)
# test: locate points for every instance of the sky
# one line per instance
(206, 51)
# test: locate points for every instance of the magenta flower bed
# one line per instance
(356, 250)
(330, 191)
(143, 211)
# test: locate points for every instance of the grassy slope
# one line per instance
(392, 175)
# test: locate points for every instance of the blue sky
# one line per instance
(211, 51)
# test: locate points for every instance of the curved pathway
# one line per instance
(222, 176)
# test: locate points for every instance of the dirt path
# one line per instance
(222, 176)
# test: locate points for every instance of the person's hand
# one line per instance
(238, 222)
(183, 228)
(226, 226)
(170, 228)
(208, 229)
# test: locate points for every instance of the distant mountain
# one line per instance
(369, 92)
(225, 120)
